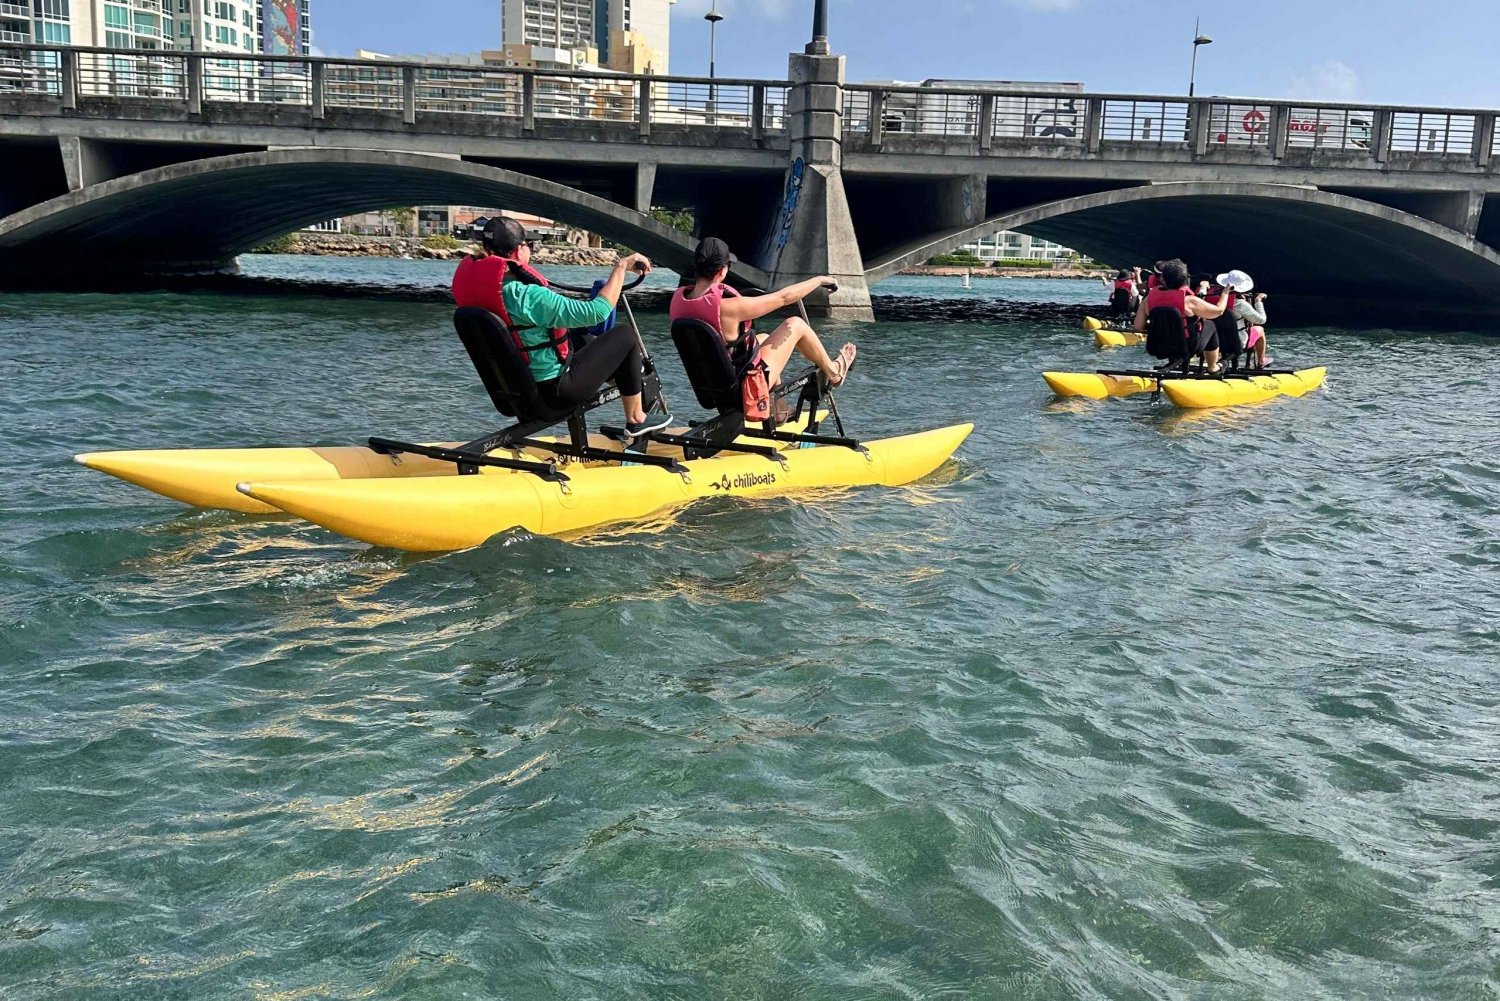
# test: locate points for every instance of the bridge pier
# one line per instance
(1458, 210)
(813, 233)
(645, 185)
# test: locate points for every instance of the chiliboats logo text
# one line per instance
(743, 481)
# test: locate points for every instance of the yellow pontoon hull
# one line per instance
(1189, 393)
(448, 511)
(207, 477)
(1117, 338)
(1200, 394)
(1096, 386)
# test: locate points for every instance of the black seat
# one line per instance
(1165, 337)
(714, 369)
(711, 370)
(501, 366)
(1231, 344)
(507, 377)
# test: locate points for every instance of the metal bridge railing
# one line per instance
(896, 117)
(322, 85)
(1433, 132)
(880, 117)
(1144, 120)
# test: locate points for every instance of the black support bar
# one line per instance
(687, 442)
(590, 454)
(469, 462)
(812, 439)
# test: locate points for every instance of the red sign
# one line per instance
(1254, 121)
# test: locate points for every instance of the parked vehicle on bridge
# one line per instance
(1245, 124)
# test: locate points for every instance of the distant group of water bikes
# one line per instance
(1207, 334)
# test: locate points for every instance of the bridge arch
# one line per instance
(1318, 252)
(200, 214)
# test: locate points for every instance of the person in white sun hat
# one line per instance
(1249, 313)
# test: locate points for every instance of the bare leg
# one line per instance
(1211, 360)
(634, 412)
(794, 334)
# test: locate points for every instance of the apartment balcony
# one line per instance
(19, 37)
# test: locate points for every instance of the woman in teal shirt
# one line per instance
(537, 310)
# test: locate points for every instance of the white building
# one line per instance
(630, 35)
(1009, 246)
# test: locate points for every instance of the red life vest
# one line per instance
(1152, 281)
(1126, 284)
(1174, 298)
(1214, 294)
(478, 282)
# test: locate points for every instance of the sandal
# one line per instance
(842, 366)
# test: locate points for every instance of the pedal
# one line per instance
(628, 444)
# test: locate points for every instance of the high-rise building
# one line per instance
(205, 25)
(629, 35)
(556, 24)
(649, 21)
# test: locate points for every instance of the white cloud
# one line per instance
(1331, 80)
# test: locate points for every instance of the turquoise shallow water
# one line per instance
(1125, 703)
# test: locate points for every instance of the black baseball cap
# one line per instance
(503, 235)
(711, 255)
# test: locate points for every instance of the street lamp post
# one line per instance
(713, 17)
(1198, 39)
(819, 44)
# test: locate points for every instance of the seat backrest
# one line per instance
(1119, 301)
(499, 361)
(1165, 337)
(1231, 342)
(709, 368)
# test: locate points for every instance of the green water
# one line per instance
(1123, 704)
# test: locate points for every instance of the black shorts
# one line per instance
(1208, 339)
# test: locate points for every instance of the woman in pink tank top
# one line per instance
(731, 314)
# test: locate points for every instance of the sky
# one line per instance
(1377, 51)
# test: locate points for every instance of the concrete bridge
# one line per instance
(175, 161)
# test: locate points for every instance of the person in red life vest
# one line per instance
(1173, 292)
(1123, 292)
(502, 280)
(731, 314)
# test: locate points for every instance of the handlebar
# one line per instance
(635, 283)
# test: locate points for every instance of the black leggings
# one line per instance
(614, 355)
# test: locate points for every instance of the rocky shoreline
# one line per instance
(349, 245)
(948, 271)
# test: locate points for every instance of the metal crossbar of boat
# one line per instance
(1159, 374)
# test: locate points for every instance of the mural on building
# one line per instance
(282, 31)
(785, 215)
